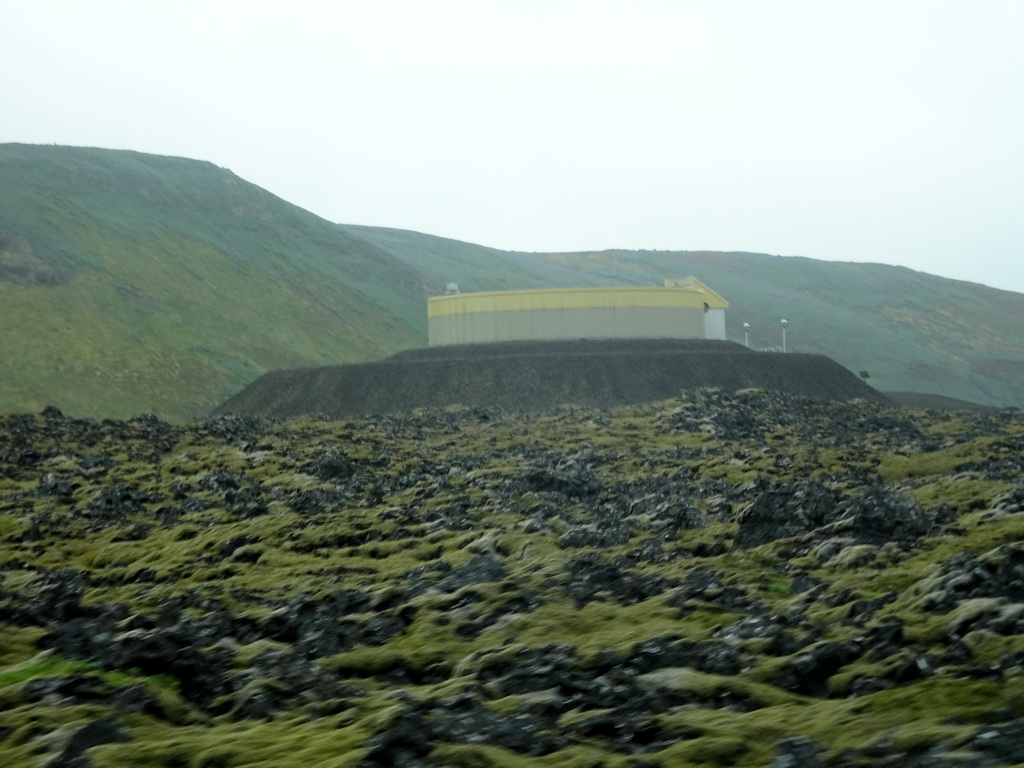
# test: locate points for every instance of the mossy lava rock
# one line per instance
(716, 579)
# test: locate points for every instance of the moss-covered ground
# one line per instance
(685, 583)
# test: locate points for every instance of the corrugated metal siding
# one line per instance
(607, 323)
(685, 309)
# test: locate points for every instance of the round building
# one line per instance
(682, 309)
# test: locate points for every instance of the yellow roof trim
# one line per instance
(693, 284)
(692, 295)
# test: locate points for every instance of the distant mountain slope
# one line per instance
(909, 330)
(133, 283)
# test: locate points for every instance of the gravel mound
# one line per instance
(936, 402)
(536, 376)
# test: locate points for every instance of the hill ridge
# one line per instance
(134, 283)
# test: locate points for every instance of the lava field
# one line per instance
(717, 579)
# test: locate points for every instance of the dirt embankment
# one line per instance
(533, 376)
(936, 402)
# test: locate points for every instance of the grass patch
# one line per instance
(48, 664)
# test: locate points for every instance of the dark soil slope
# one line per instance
(534, 376)
(935, 402)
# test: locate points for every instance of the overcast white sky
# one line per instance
(855, 130)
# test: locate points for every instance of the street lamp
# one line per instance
(746, 335)
(784, 324)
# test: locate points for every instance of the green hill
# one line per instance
(135, 283)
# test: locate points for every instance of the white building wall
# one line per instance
(714, 324)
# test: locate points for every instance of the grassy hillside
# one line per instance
(135, 283)
(910, 330)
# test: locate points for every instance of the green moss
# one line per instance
(29, 727)
(936, 699)
(961, 494)
(284, 742)
(462, 639)
(46, 664)
(711, 687)
(475, 756)
(601, 626)
(721, 750)
(915, 716)
(987, 647)
(11, 525)
(895, 467)
(20, 645)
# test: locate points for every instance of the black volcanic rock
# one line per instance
(786, 509)
(876, 516)
(68, 744)
(745, 579)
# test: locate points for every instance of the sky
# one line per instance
(884, 131)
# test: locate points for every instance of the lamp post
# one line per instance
(746, 335)
(784, 324)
